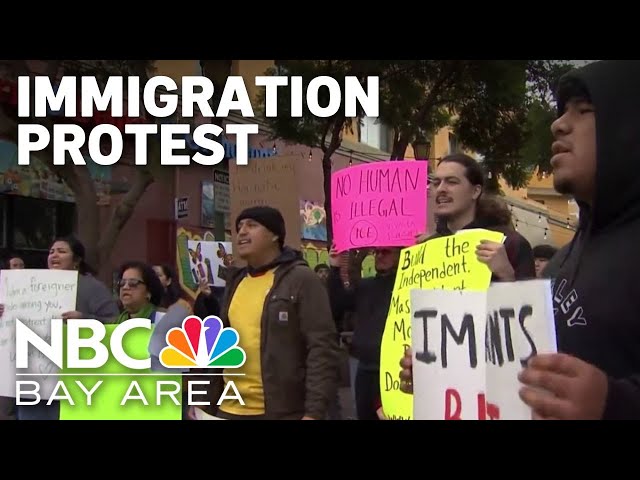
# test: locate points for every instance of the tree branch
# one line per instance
(325, 132)
(122, 213)
(328, 151)
(447, 78)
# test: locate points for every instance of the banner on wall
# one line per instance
(315, 255)
(38, 181)
(313, 221)
(271, 181)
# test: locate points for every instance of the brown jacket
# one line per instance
(299, 345)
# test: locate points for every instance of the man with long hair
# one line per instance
(460, 204)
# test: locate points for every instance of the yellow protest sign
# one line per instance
(447, 263)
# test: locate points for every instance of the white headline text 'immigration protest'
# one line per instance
(195, 90)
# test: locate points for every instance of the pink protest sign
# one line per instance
(381, 204)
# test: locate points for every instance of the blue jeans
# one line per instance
(39, 411)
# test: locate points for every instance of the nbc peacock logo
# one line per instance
(202, 344)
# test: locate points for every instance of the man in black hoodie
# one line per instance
(596, 292)
(281, 312)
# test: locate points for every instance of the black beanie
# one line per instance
(544, 251)
(268, 217)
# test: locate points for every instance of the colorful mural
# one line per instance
(36, 180)
(313, 221)
(314, 255)
(369, 267)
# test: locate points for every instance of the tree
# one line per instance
(98, 239)
(544, 76)
(491, 106)
(515, 142)
(315, 132)
(497, 108)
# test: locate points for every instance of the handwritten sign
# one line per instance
(445, 263)
(381, 204)
(469, 346)
(269, 181)
(116, 393)
(34, 297)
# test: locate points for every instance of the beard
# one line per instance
(563, 186)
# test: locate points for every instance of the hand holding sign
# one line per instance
(406, 374)
(334, 256)
(422, 237)
(72, 314)
(494, 255)
(562, 387)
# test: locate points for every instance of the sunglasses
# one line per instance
(130, 282)
(382, 251)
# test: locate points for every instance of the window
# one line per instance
(34, 223)
(375, 134)
(454, 147)
(29, 225)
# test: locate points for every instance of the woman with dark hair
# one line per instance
(172, 291)
(141, 292)
(93, 300)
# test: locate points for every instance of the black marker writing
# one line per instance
(467, 327)
(525, 312)
(426, 356)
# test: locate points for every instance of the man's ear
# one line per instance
(477, 192)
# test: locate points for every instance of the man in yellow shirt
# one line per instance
(281, 311)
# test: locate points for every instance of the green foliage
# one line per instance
(508, 121)
(308, 129)
(323, 133)
(501, 109)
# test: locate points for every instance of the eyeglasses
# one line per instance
(382, 251)
(130, 282)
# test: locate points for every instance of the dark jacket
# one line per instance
(596, 292)
(299, 355)
(368, 301)
(518, 248)
(205, 305)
